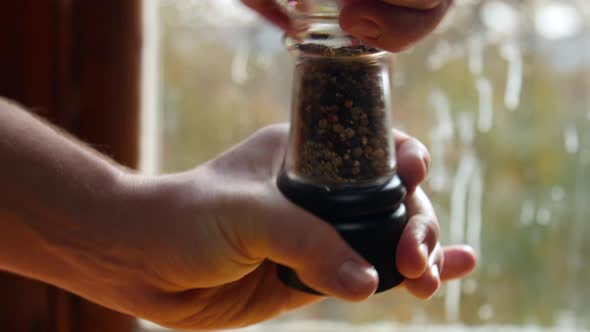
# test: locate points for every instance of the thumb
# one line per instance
(314, 249)
(392, 27)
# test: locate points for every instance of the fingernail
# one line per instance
(357, 279)
(365, 29)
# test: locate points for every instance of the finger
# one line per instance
(420, 237)
(259, 293)
(391, 27)
(413, 160)
(321, 258)
(297, 299)
(418, 204)
(429, 282)
(459, 262)
(271, 11)
(415, 4)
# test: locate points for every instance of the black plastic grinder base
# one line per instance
(370, 220)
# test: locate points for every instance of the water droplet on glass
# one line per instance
(441, 136)
(557, 193)
(566, 319)
(557, 20)
(571, 139)
(239, 66)
(527, 213)
(485, 92)
(476, 56)
(543, 216)
(493, 12)
(453, 300)
(443, 53)
(442, 109)
(466, 128)
(399, 79)
(511, 52)
(474, 210)
(486, 312)
(419, 316)
(469, 286)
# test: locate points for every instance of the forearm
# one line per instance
(47, 182)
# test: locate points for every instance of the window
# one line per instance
(501, 96)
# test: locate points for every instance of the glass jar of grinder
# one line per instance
(340, 162)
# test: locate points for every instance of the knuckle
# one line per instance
(322, 242)
(433, 227)
(274, 131)
(432, 287)
(273, 136)
(432, 231)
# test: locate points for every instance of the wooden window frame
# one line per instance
(76, 63)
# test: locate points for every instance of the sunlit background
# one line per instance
(501, 96)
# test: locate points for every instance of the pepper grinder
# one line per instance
(340, 161)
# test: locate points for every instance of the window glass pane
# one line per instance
(501, 96)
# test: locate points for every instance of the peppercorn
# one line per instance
(340, 108)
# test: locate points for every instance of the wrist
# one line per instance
(84, 248)
(58, 226)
